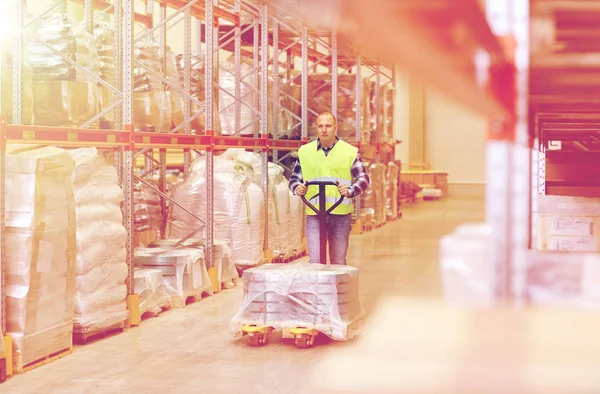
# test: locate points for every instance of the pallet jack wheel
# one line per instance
(304, 341)
(257, 339)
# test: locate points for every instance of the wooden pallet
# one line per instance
(3, 370)
(82, 338)
(176, 301)
(151, 314)
(42, 361)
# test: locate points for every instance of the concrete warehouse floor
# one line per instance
(190, 350)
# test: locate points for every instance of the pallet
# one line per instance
(432, 198)
(42, 361)
(3, 370)
(82, 338)
(176, 301)
(151, 314)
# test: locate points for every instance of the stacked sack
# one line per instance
(40, 253)
(101, 252)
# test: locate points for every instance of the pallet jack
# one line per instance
(304, 337)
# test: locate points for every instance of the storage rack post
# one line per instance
(133, 302)
(208, 91)
(7, 339)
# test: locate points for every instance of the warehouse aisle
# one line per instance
(191, 351)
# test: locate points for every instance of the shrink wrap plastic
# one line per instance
(238, 209)
(184, 271)
(57, 31)
(466, 265)
(283, 296)
(40, 253)
(101, 237)
(151, 289)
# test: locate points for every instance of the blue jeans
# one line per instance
(338, 234)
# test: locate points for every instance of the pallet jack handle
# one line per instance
(322, 213)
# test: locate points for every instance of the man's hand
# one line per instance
(344, 190)
(301, 189)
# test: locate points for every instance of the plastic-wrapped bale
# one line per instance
(40, 253)
(283, 296)
(184, 271)
(227, 99)
(279, 212)
(466, 267)
(60, 94)
(296, 218)
(101, 237)
(391, 190)
(57, 31)
(561, 279)
(237, 207)
(148, 284)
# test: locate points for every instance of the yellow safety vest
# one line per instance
(333, 167)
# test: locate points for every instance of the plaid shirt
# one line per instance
(360, 178)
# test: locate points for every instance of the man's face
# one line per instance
(327, 130)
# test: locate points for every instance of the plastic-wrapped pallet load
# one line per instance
(466, 267)
(150, 286)
(40, 253)
(569, 224)
(283, 296)
(184, 271)
(279, 212)
(53, 76)
(101, 253)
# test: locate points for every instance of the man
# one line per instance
(330, 158)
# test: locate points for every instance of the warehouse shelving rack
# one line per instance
(128, 143)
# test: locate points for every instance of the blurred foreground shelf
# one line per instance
(412, 346)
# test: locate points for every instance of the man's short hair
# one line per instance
(328, 114)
